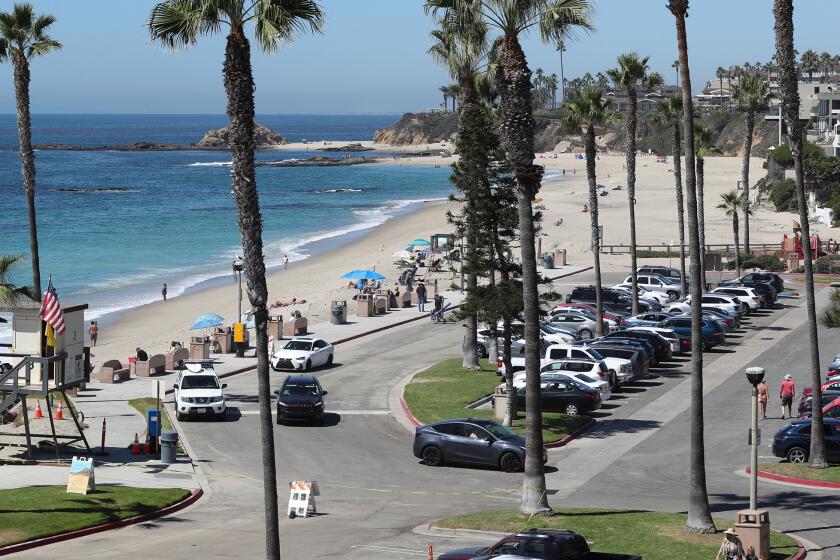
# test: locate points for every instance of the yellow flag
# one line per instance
(50, 336)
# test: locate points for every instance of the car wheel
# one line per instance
(745, 308)
(330, 360)
(432, 456)
(510, 462)
(673, 296)
(613, 381)
(179, 417)
(481, 351)
(308, 365)
(585, 334)
(571, 409)
(797, 455)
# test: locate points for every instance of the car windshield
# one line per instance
(200, 382)
(300, 390)
(499, 431)
(298, 345)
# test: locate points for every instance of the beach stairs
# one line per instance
(9, 391)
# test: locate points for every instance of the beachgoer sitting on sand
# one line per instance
(585, 209)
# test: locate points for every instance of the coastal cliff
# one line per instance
(419, 128)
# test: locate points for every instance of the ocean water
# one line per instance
(114, 226)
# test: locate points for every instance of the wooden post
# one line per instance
(26, 426)
(47, 398)
(71, 408)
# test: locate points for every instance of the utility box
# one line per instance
(500, 403)
(753, 528)
(364, 305)
(560, 257)
(199, 350)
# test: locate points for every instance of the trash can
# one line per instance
(548, 261)
(339, 313)
(560, 257)
(168, 444)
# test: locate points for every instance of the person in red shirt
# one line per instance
(786, 393)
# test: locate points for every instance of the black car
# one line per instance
(660, 344)
(774, 279)
(562, 394)
(471, 441)
(614, 299)
(793, 442)
(638, 343)
(806, 401)
(546, 544)
(641, 367)
(300, 398)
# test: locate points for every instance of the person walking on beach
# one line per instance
(421, 296)
(163, 292)
(787, 393)
(93, 331)
(762, 399)
(285, 262)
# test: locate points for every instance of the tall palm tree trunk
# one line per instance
(631, 192)
(701, 217)
(783, 11)
(27, 157)
(516, 124)
(737, 248)
(239, 86)
(468, 96)
(680, 210)
(699, 513)
(593, 221)
(745, 177)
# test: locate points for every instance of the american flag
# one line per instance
(51, 310)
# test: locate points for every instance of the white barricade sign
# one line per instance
(302, 497)
(81, 479)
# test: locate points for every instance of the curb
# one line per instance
(572, 436)
(189, 500)
(407, 412)
(794, 480)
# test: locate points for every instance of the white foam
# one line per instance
(210, 164)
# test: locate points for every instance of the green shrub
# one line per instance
(821, 265)
(763, 262)
(834, 204)
(783, 157)
(783, 196)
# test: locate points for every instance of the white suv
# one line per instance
(750, 300)
(619, 370)
(657, 284)
(198, 391)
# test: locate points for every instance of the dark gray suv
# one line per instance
(470, 441)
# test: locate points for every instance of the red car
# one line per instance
(831, 410)
(830, 386)
(591, 308)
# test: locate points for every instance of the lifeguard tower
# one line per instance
(30, 368)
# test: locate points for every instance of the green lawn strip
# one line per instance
(800, 470)
(444, 390)
(651, 535)
(41, 511)
(143, 404)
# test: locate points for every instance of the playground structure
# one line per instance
(31, 368)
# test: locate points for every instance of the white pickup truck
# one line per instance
(620, 371)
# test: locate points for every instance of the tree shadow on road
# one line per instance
(605, 428)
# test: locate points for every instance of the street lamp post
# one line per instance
(755, 375)
(238, 266)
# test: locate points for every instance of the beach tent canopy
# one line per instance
(402, 254)
(206, 321)
(418, 243)
(363, 275)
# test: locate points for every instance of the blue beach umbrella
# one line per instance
(418, 243)
(206, 321)
(363, 275)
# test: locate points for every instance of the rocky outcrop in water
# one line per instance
(264, 137)
(316, 161)
(419, 128)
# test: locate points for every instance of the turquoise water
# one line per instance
(114, 226)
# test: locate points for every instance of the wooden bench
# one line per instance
(295, 327)
(155, 364)
(111, 370)
(176, 359)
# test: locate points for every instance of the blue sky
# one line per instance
(371, 58)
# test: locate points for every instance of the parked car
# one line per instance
(555, 334)
(300, 398)
(806, 400)
(619, 370)
(649, 319)
(545, 544)
(470, 441)
(636, 343)
(793, 442)
(712, 333)
(640, 366)
(830, 410)
(609, 325)
(668, 334)
(764, 289)
(566, 396)
(831, 385)
(613, 299)
(303, 354)
(718, 301)
(658, 284)
(749, 298)
(583, 327)
(645, 294)
(591, 308)
(671, 274)
(771, 277)
(661, 346)
(587, 372)
(198, 391)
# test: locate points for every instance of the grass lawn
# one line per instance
(651, 535)
(443, 391)
(143, 404)
(799, 470)
(41, 511)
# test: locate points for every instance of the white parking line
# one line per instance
(339, 412)
(390, 549)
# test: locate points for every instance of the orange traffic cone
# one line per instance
(59, 414)
(147, 447)
(38, 413)
(135, 447)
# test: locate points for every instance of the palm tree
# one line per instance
(584, 113)
(699, 513)
(676, 66)
(556, 19)
(669, 113)
(753, 94)
(731, 203)
(179, 24)
(702, 143)
(561, 48)
(810, 62)
(23, 36)
(826, 60)
(632, 74)
(789, 90)
(9, 293)
(445, 91)
(720, 72)
(551, 84)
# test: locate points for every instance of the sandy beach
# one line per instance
(565, 226)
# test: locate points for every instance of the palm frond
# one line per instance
(9, 293)
(560, 19)
(279, 21)
(178, 23)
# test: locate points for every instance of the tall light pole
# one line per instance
(755, 375)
